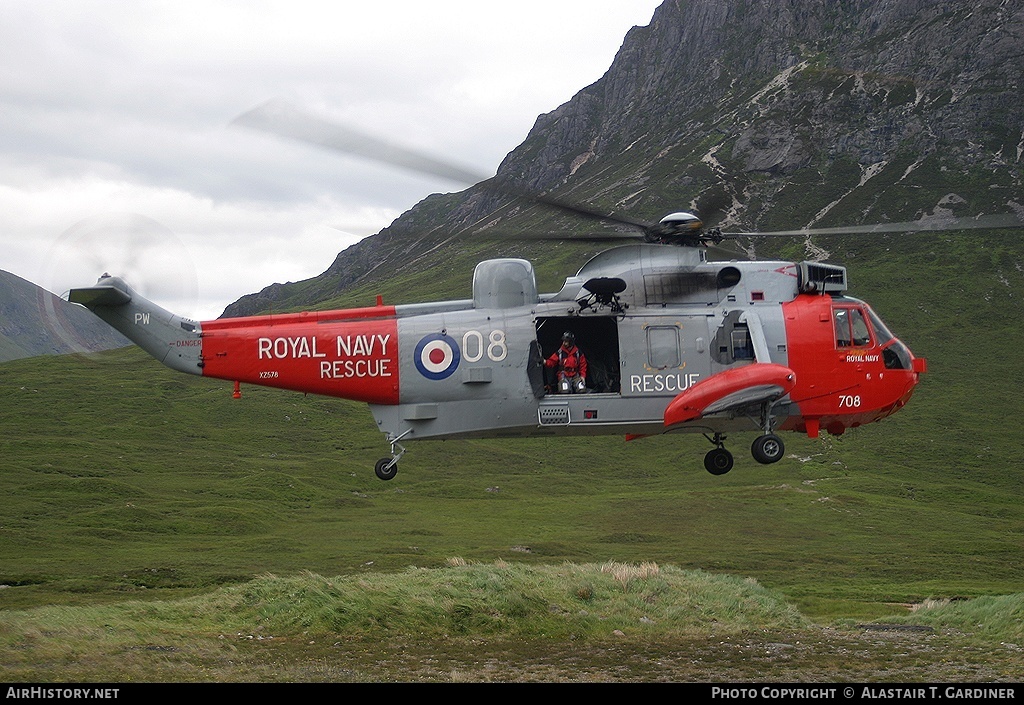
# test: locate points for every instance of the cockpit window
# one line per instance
(881, 332)
(851, 328)
(896, 354)
(854, 321)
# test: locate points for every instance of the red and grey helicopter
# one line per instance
(674, 342)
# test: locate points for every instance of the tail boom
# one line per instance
(351, 353)
(171, 339)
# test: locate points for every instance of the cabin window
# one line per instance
(742, 345)
(663, 347)
(732, 341)
(851, 328)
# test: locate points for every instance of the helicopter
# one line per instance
(674, 342)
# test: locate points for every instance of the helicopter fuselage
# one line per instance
(673, 342)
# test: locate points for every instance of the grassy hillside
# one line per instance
(124, 481)
(125, 476)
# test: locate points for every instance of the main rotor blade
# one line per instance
(601, 238)
(285, 120)
(571, 208)
(277, 117)
(926, 224)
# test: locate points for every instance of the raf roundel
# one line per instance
(437, 356)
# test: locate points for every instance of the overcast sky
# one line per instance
(116, 152)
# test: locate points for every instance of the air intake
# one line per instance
(822, 278)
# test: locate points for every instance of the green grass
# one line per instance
(497, 599)
(499, 621)
(123, 478)
(128, 484)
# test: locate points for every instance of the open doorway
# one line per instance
(597, 338)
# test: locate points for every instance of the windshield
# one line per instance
(883, 334)
(895, 354)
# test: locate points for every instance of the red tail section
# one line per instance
(350, 353)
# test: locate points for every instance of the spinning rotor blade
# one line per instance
(136, 247)
(600, 238)
(279, 118)
(580, 211)
(143, 251)
(284, 120)
(933, 223)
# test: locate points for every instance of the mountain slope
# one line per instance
(762, 115)
(35, 322)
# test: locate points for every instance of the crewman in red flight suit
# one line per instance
(570, 365)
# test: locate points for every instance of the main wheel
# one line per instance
(718, 461)
(383, 471)
(768, 449)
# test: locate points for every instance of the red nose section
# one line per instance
(851, 369)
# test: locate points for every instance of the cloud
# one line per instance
(112, 107)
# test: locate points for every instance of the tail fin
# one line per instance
(171, 339)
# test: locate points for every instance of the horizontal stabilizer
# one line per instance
(731, 389)
(100, 295)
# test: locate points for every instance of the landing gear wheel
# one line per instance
(383, 471)
(768, 449)
(718, 461)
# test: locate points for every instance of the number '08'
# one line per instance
(474, 346)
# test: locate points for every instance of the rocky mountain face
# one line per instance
(761, 114)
